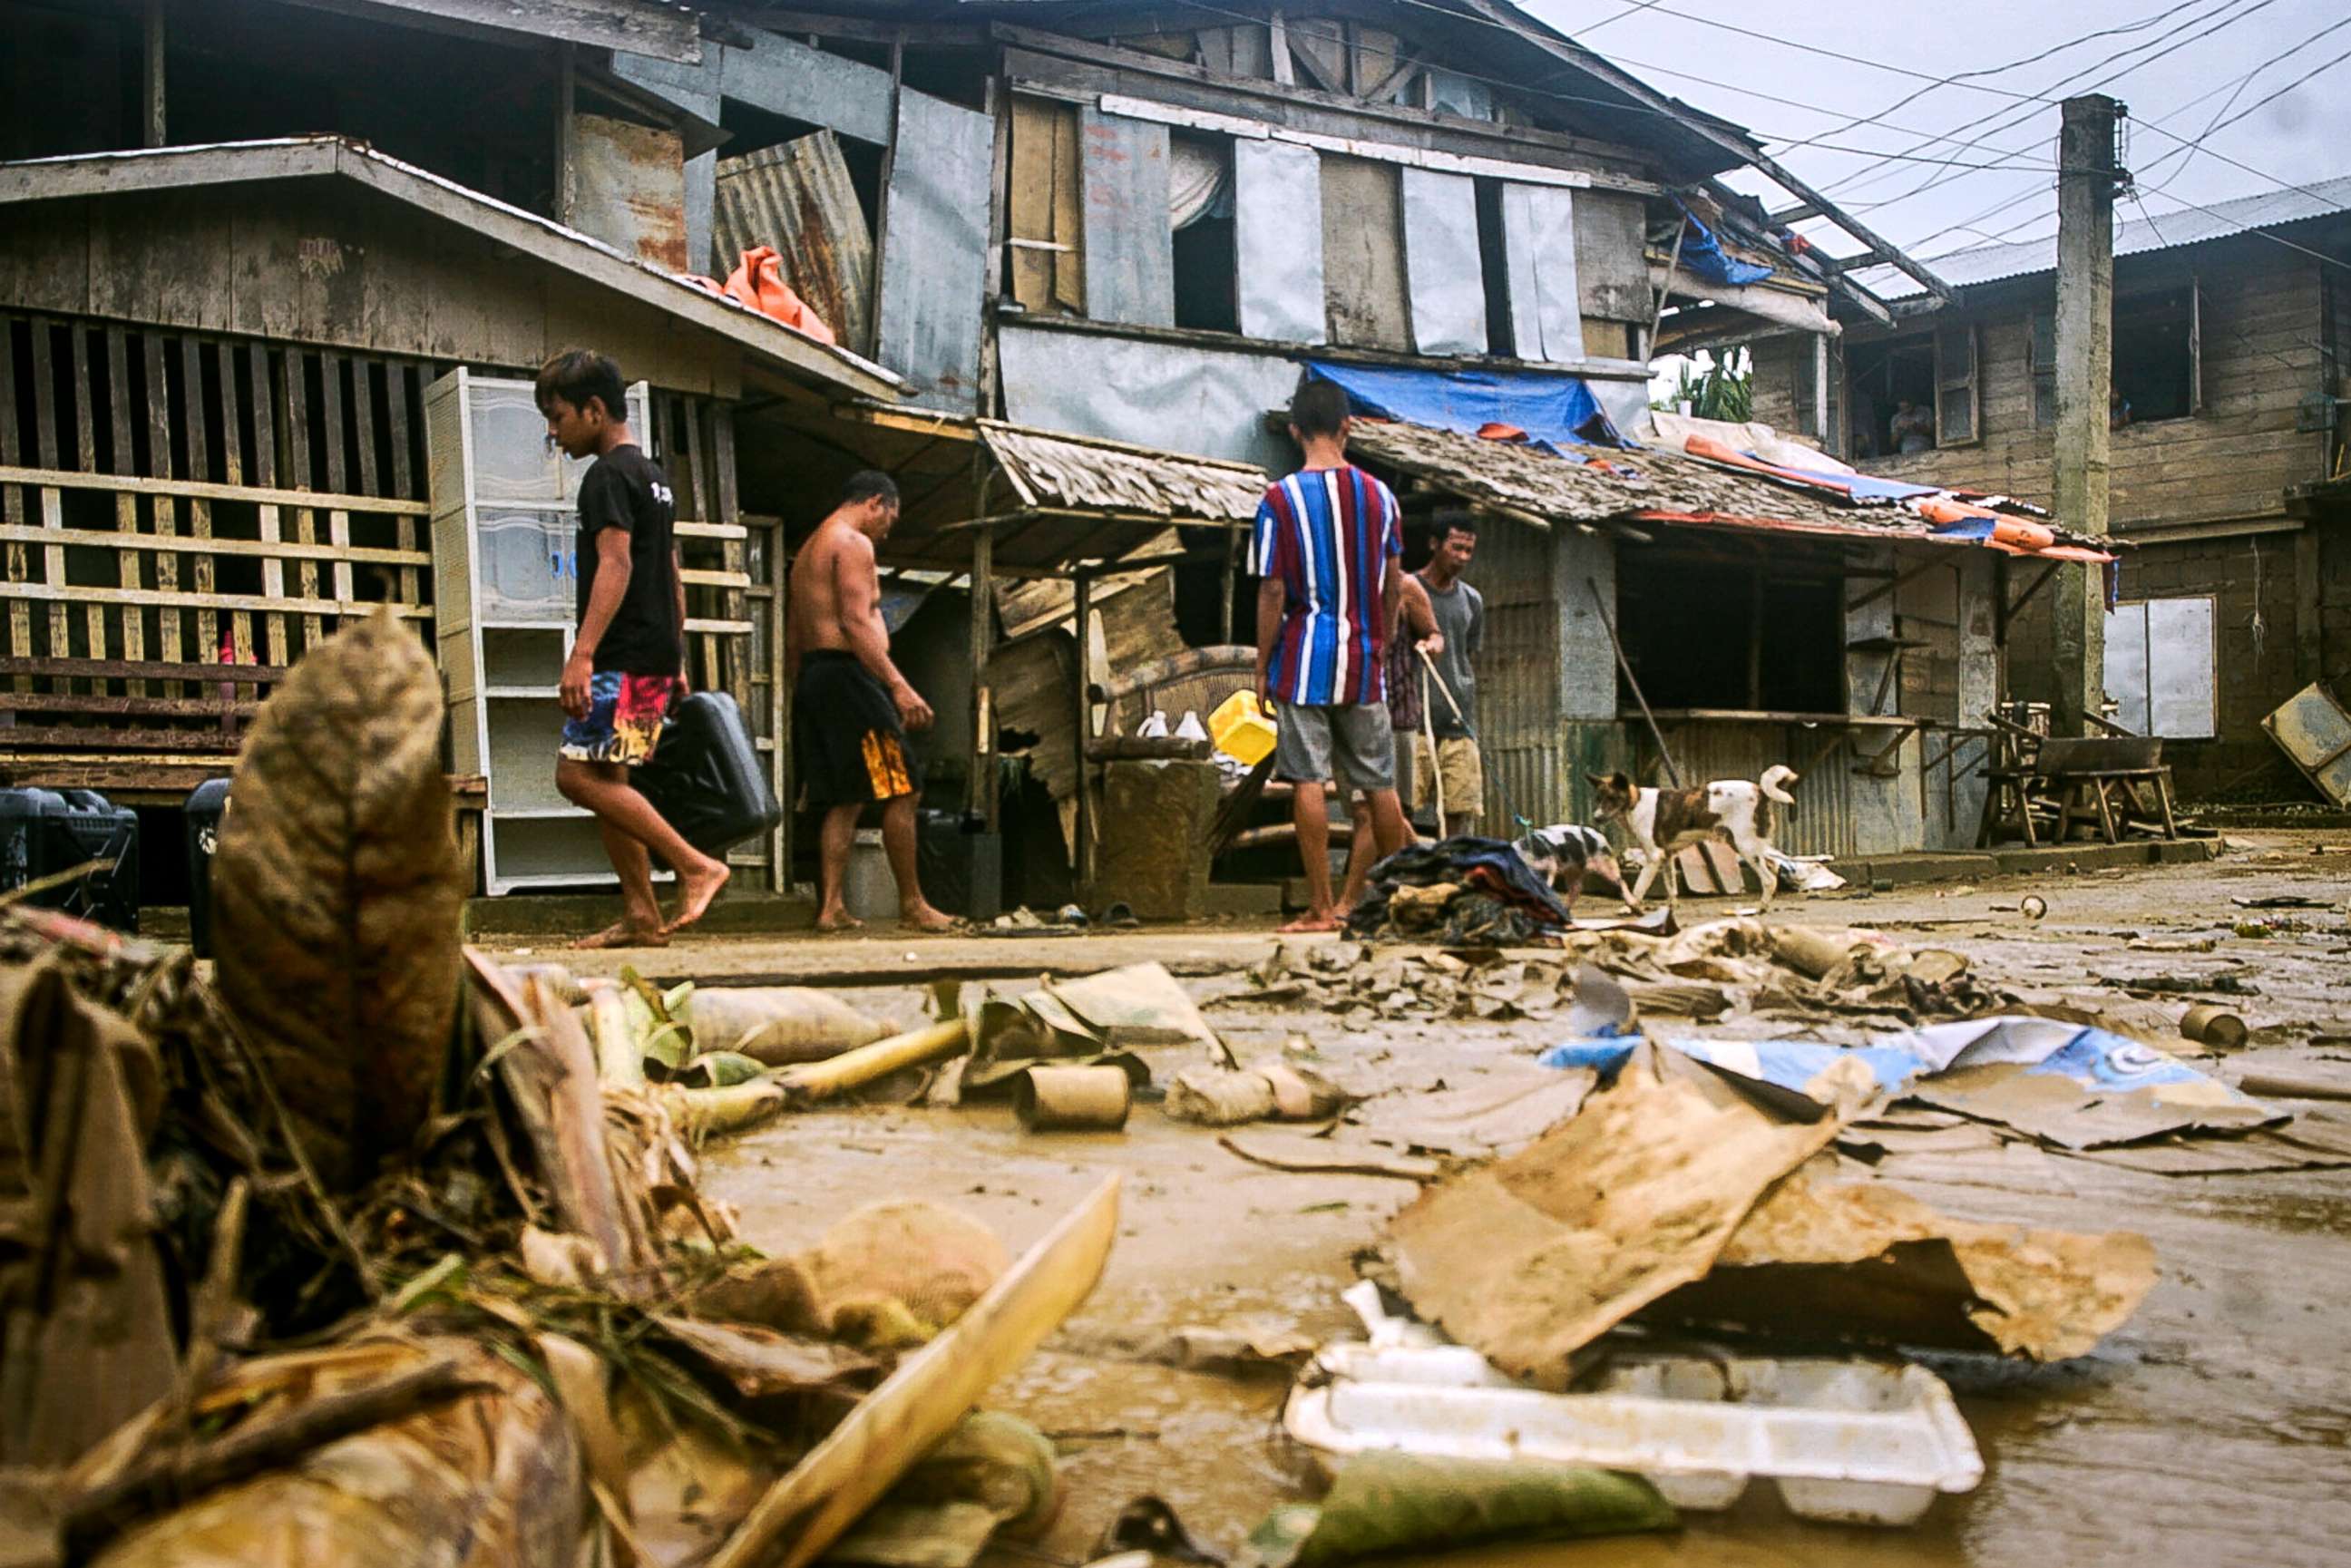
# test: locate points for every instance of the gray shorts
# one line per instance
(1354, 742)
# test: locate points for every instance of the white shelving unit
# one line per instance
(506, 579)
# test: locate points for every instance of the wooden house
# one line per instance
(2232, 368)
(1051, 245)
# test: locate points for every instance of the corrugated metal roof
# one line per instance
(2165, 231)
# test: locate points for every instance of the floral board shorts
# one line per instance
(624, 718)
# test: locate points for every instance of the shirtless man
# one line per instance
(850, 708)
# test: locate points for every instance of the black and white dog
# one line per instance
(1565, 854)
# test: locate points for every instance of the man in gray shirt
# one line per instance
(1452, 706)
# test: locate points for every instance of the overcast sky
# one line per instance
(2181, 67)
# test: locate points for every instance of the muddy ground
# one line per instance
(2215, 1428)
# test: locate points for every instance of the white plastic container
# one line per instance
(1855, 1442)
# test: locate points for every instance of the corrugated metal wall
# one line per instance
(1517, 678)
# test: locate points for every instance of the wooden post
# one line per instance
(2309, 635)
(2085, 301)
(1082, 859)
(152, 93)
(978, 785)
(567, 153)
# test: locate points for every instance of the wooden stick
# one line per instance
(811, 1080)
(1428, 728)
(808, 1510)
(166, 1482)
(1634, 680)
(1428, 661)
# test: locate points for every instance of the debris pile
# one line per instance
(370, 1250)
(1720, 967)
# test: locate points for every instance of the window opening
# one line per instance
(1704, 629)
(1881, 378)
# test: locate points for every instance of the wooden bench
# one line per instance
(2111, 783)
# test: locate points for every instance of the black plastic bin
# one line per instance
(43, 832)
(208, 804)
(961, 864)
(705, 777)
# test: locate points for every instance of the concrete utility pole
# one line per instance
(2087, 179)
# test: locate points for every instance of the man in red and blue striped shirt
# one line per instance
(1325, 550)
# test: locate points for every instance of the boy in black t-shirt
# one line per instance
(626, 662)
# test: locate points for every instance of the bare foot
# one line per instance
(621, 933)
(838, 920)
(697, 889)
(923, 918)
(1307, 924)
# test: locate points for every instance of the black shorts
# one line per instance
(845, 737)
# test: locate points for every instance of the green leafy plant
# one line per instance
(1723, 389)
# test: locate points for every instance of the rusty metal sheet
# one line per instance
(935, 259)
(1278, 240)
(2314, 730)
(1538, 245)
(628, 189)
(1130, 239)
(799, 199)
(1444, 278)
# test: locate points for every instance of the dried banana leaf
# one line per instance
(492, 1479)
(337, 892)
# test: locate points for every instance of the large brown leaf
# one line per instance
(337, 895)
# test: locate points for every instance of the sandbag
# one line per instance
(777, 1025)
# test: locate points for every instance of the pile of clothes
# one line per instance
(1460, 892)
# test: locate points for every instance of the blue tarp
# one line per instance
(1547, 408)
(1703, 257)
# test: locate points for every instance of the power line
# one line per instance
(2191, 148)
(1606, 21)
(2216, 20)
(1917, 94)
(1985, 130)
(1398, 56)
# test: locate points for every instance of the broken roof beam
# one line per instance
(656, 27)
(1721, 133)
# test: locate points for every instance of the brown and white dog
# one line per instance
(1667, 822)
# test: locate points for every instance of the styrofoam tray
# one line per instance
(1852, 1441)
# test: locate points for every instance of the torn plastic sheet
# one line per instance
(2079, 1088)
(2127, 1089)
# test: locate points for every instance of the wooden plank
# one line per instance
(398, 379)
(86, 461)
(45, 447)
(259, 495)
(266, 550)
(193, 352)
(1035, 130)
(339, 519)
(267, 412)
(313, 609)
(734, 554)
(808, 1510)
(240, 622)
(127, 706)
(126, 509)
(166, 507)
(152, 667)
(296, 391)
(11, 504)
